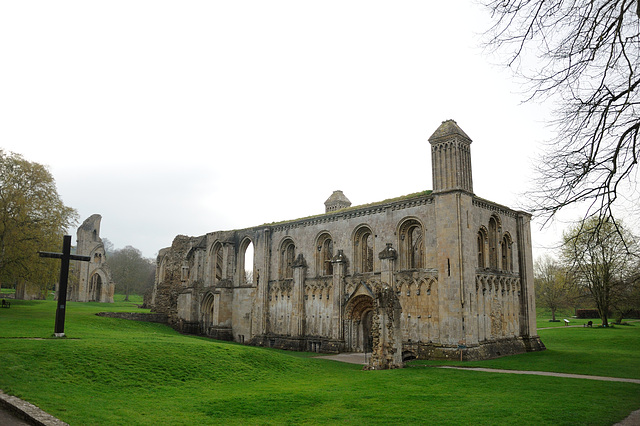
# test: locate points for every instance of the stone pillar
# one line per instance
(339, 262)
(228, 262)
(527, 294)
(387, 335)
(261, 281)
(297, 296)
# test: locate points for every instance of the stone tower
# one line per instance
(93, 278)
(336, 201)
(451, 158)
(453, 197)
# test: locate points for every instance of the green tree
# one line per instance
(131, 272)
(553, 284)
(627, 296)
(32, 218)
(601, 255)
(584, 56)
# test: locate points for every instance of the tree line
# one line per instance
(131, 272)
(598, 266)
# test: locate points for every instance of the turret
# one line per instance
(336, 201)
(451, 158)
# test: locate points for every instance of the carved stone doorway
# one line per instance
(358, 324)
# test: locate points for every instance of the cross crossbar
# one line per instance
(61, 255)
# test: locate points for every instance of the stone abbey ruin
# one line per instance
(93, 279)
(433, 275)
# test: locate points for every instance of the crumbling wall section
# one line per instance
(170, 279)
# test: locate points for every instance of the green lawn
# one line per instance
(111, 371)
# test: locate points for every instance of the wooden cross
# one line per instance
(66, 256)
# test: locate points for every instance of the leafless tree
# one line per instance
(585, 57)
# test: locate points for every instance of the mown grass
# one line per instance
(111, 371)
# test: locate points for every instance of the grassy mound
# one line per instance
(114, 371)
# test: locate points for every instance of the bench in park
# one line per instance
(566, 321)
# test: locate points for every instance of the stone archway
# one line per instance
(95, 288)
(208, 312)
(358, 324)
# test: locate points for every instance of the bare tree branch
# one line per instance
(584, 56)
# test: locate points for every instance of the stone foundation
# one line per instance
(135, 316)
(485, 350)
(218, 333)
(308, 344)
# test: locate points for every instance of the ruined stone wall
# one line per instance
(447, 302)
(169, 278)
(92, 281)
(459, 268)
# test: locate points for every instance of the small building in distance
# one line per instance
(437, 274)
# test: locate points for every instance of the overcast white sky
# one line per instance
(185, 117)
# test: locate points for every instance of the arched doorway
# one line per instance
(359, 315)
(95, 288)
(208, 312)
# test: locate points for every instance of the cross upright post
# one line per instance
(66, 256)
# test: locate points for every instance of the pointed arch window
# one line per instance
(245, 261)
(216, 259)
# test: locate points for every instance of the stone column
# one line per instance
(261, 281)
(339, 262)
(387, 335)
(525, 259)
(297, 296)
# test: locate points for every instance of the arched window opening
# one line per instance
(287, 257)
(493, 241)
(246, 259)
(324, 255)
(507, 258)
(412, 245)
(216, 258)
(481, 245)
(363, 249)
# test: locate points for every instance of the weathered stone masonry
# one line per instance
(428, 275)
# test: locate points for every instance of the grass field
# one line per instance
(110, 371)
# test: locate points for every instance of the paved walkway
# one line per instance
(349, 358)
(545, 373)
(8, 418)
(16, 412)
